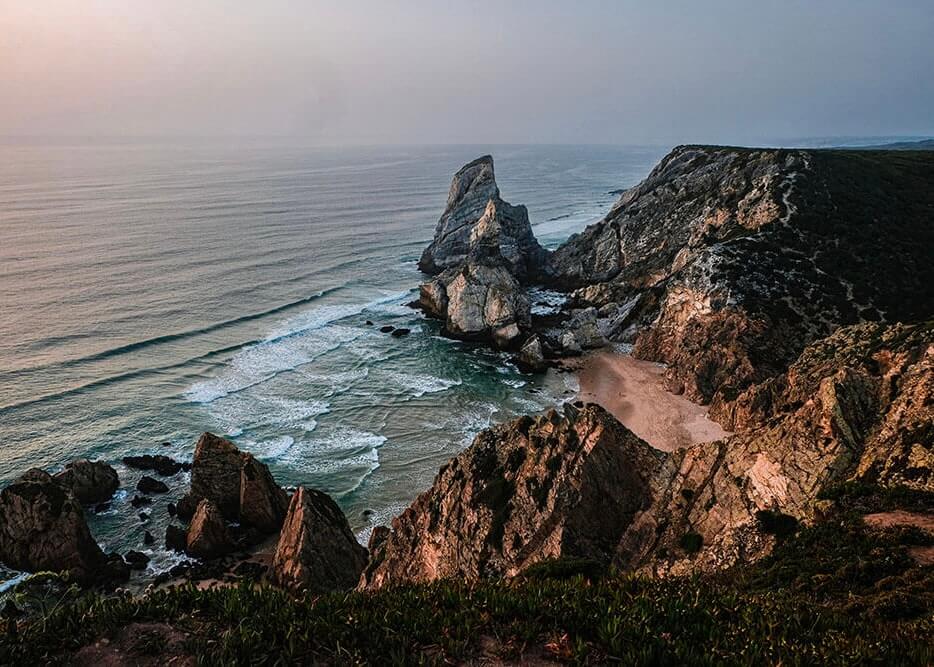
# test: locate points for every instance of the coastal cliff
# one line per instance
(789, 291)
(772, 284)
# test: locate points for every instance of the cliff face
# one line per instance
(555, 486)
(858, 405)
(476, 219)
(727, 262)
(483, 252)
(770, 282)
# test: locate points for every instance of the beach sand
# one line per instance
(633, 392)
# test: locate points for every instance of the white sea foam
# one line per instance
(238, 412)
(340, 451)
(256, 364)
(380, 517)
(272, 449)
(419, 385)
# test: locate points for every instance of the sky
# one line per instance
(470, 71)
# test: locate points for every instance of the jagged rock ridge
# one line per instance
(857, 405)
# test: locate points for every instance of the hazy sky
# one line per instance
(526, 71)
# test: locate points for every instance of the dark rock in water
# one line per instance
(170, 508)
(208, 536)
(148, 484)
(166, 444)
(387, 329)
(215, 475)
(90, 481)
(42, 527)
(263, 504)
(186, 506)
(160, 464)
(236, 483)
(175, 538)
(143, 516)
(139, 501)
(367, 513)
(369, 323)
(317, 551)
(148, 538)
(101, 507)
(136, 559)
(554, 486)
(401, 331)
(531, 357)
(475, 213)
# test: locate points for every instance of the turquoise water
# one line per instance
(152, 292)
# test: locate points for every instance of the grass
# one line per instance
(833, 593)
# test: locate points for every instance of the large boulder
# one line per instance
(215, 476)
(91, 482)
(241, 487)
(475, 213)
(42, 527)
(554, 486)
(317, 552)
(208, 536)
(263, 503)
(485, 302)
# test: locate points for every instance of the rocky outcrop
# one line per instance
(215, 476)
(484, 253)
(556, 486)
(238, 485)
(317, 552)
(724, 263)
(484, 301)
(858, 405)
(263, 503)
(531, 356)
(42, 527)
(208, 536)
(476, 219)
(90, 482)
(158, 463)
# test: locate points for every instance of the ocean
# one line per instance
(150, 292)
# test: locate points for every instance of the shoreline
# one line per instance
(632, 391)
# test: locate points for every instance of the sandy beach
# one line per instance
(633, 392)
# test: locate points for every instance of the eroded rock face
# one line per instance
(559, 485)
(263, 503)
(208, 536)
(477, 216)
(241, 487)
(215, 475)
(42, 527)
(484, 301)
(91, 482)
(742, 257)
(856, 405)
(485, 252)
(317, 551)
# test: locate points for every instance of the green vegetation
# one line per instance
(834, 593)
